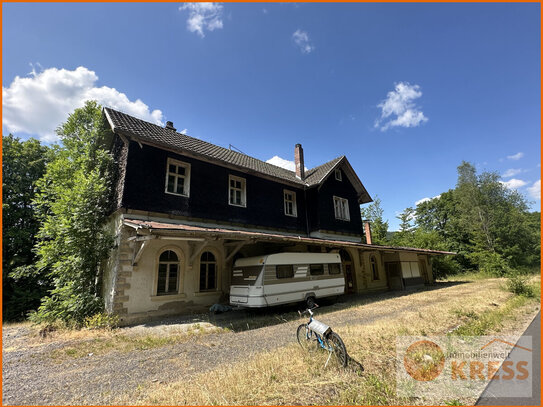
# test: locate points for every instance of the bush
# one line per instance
(443, 266)
(491, 263)
(68, 306)
(102, 320)
(518, 284)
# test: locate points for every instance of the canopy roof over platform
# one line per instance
(147, 229)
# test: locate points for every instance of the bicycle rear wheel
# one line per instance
(338, 348)
(305, 336)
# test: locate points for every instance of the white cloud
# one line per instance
(511, 172)
(399, 108)
(38, 103)
(514, 183)
(516, 156)
(281, 162)
(301, 39)
(203, 16)
(426, 199)
(535, 190)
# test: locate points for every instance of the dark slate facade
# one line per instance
(322, 206)
(144, 190)
(142, 151)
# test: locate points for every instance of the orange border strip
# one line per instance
(300, 1)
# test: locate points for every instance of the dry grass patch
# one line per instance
(290, 376)
(99, 342)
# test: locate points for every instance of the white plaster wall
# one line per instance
(408, 256)
(143, 282)
(375, 284)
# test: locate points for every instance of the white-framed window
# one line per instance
(341, 208)
(168, 273)
(338, 175)
(177, 178)
(289, 198)
(237, 191)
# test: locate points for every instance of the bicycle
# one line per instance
(320, 334)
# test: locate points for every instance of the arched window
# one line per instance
(374, 270)
(208, 272)
(168, 273)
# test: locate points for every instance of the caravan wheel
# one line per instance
(310, 302)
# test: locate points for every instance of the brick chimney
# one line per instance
(169, 126)
(367, 231)
(299, 161)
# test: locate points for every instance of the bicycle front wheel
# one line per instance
(338, 348)
(305, 336)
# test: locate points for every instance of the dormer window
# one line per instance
(341, 208)
(338, 175)
(236, 191)
(177, 177)
(290, 203)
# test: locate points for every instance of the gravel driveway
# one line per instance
(32, 376)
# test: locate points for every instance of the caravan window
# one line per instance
(245, 275)
(284, 271)
(334, 268)
(316, 269)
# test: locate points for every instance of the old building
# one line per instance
(186, 209)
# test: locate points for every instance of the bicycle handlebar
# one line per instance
(308, 310)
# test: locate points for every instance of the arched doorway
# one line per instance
(348, 269)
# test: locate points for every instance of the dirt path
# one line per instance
(31, 375)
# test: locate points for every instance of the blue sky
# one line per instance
(405, 91)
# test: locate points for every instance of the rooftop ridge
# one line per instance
(144, 129)
(200, 140)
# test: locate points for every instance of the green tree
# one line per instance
(73, 203)
(441, 215)
(495, 218)
(488, 225)
(23, 163)
(404, 237)
(379, 228)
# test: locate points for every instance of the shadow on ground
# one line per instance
(243, 319)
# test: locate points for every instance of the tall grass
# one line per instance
(290, 376)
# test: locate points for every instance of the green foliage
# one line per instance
(486, 224)
(102, 320)
(379, 227)
(406, 235)
(501, 230)
(23, 163)
(519, 284)
(72, 204)
(490, 262)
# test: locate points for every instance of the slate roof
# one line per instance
(145, 131)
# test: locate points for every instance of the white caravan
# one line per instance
(282, 278)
